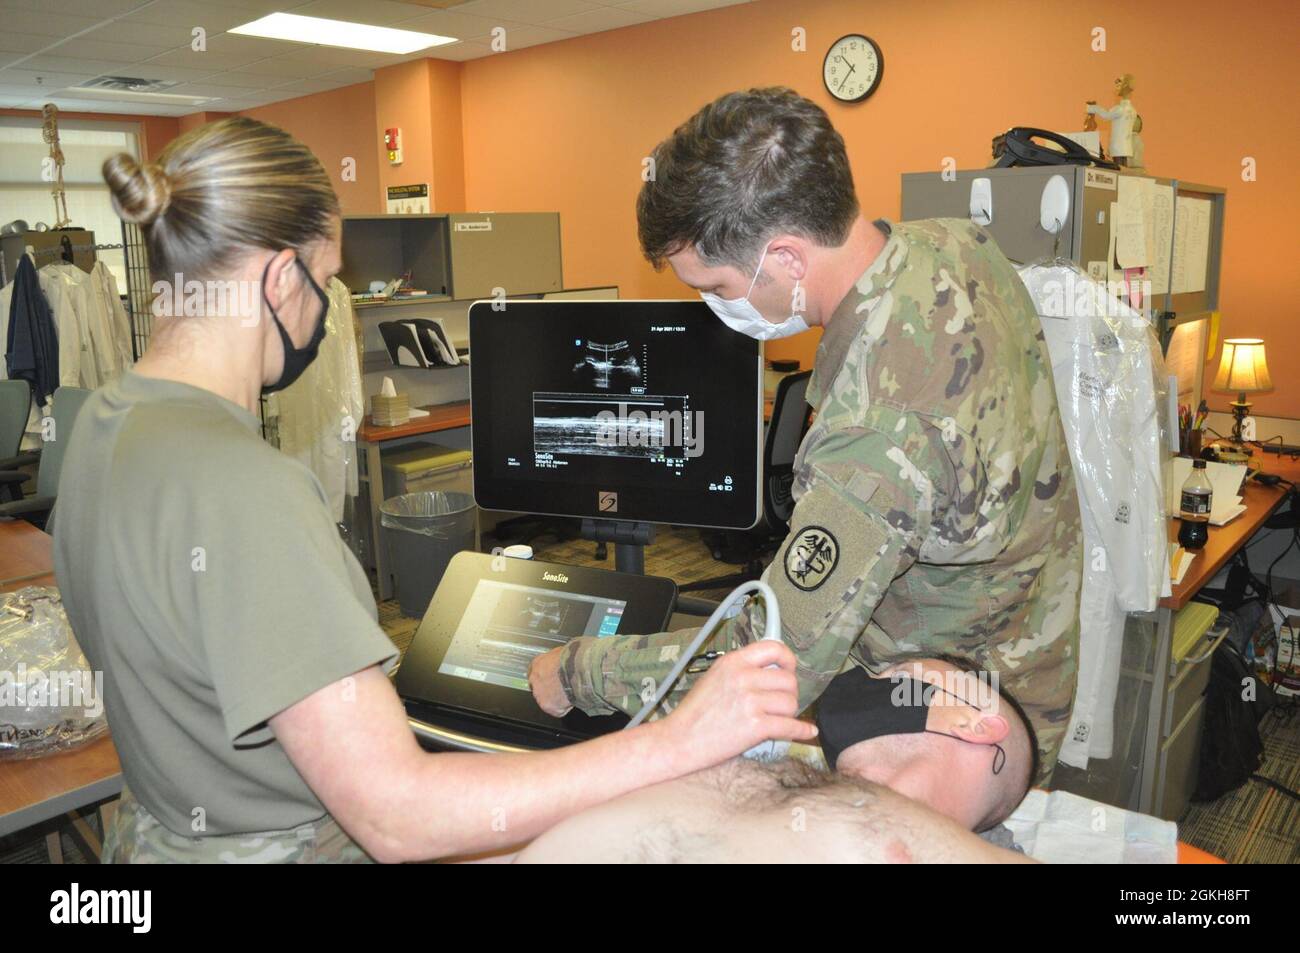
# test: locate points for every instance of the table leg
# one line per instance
(375, 488)
(1156, 710)
(54, 847)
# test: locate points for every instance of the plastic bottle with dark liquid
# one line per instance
(1194, 508)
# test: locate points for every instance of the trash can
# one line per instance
(422, 532)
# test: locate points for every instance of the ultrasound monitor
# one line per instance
(639, 411)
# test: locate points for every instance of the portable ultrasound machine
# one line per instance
(595, 410)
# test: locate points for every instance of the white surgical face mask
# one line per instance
(739, 315)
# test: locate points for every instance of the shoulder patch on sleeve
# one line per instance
(821, 566)
(811, 557)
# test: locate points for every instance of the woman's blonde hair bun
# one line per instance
(141, 193)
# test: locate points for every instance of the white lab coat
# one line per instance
(1107, 370)
(318, 415)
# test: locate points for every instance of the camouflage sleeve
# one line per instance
(864, 505)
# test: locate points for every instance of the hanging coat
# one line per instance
(1106, 365)
(31, 345)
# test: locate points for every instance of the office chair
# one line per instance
(791, 416)
(15, 405)
(36, 509)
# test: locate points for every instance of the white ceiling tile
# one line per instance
(186, 15)
(69, 64)
(212, 90)
(13, 89)
(459, 25)
(138, 31)
(152, 70)
(116, 52)
(534, 11)
(332, 57)
(97, 9)
(459, 52)
(286, 68)
(223, 52)
(23, 42)
(596, 21)
(262, 7)
(43, 79)
(520, 37)
(46, 23)
(673, 8)
(246, 81)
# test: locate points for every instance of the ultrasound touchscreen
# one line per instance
(505, 626)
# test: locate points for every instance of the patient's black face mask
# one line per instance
(856, 707)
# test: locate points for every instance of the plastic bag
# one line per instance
(316, 419)
(50, 700)
(439, 514)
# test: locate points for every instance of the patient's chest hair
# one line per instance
(796, 803)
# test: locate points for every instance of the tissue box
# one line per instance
(390, 411)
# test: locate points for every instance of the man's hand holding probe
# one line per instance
(738, 703)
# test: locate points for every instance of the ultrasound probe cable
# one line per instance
(771, 632)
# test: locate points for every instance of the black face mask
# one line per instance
(856, 707)
(296, 359)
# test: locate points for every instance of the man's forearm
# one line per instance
(618, 673)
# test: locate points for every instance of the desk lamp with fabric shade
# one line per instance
(1242, 369)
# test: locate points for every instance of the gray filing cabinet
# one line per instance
(1016, 194)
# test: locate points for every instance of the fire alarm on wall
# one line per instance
(393, 143)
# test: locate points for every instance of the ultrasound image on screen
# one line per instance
(505, 626)
(634, 428)
(607, 366)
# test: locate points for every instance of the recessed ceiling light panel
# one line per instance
(352, 36)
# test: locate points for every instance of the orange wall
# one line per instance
(336, 125)
(155, 131)
(564, 126)
(194, 120)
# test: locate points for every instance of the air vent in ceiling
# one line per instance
(128, 84)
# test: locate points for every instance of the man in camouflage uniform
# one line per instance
(935, 505)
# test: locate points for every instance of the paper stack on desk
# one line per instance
(1226, 480)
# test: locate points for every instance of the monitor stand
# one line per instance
(629, 541)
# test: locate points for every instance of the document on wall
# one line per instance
(408, 199)
(1129, 224)
(1157, 200)
(1191, 244)
(1183, 359)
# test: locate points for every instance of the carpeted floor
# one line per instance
(1256, 823)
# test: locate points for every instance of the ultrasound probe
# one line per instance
(764, 751)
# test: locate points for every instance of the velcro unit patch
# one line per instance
(819, 568)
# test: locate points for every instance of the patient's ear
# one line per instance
(988, 729)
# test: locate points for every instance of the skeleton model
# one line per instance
(50, 133)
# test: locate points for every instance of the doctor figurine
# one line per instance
(1121, 118)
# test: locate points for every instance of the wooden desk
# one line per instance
(25, 552)
(370, 440)
(38, 789)
(1223, 543)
